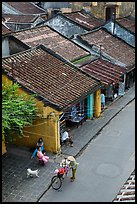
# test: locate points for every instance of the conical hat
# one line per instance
(71, 158)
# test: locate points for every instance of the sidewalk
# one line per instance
(16, 187)
(91, 128)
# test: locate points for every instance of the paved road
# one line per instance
(105, 165)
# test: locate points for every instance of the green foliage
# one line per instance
(17, 111)
(82, 59)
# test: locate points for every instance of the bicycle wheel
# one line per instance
(56, 182)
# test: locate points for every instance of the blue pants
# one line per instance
(35, 151)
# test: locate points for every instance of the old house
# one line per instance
(22, 8)
(53, 40)
(65, 26)
(11, 45)
(122, 32)
(112, 76)
(59, 87)
(127, 22)
(111, 48)
(111, 10)
(90, 21)
(21, 21)
(53, 8)
(106, 10)
(74, 23)
(85, 19)
(20, 15)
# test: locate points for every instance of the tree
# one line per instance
(17, 111)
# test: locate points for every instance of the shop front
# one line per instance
(85, 109)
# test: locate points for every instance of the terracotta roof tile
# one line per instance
(86, 20)
(111, 45)
(105, 71)
(5, 29)
(127, 23)
(26, 7)
(53, 40)
(51, 78)
(14, 18)
(66, 26)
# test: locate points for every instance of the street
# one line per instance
(104, 165)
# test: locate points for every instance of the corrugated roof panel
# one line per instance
(105, 71)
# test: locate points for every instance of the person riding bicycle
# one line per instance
(73, 165)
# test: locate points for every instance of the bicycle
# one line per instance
(61, 172)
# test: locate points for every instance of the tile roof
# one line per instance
(121, 32)
(65, 26)
(87, 20)
(127, 23)
(5, 29)
(105, 71)
(26, 7)
(111, 45)
(58, 82)
(53, 40)
(14, 18)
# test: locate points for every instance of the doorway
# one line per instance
(110, 12)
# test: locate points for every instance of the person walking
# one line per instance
(73, 165)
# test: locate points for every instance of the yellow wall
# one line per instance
(3, 148)
(122, 9)
(44, 126)
(66, 10)
(100, 10)
(5, 80)
(97, 103)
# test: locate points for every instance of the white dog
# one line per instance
(32, 173)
